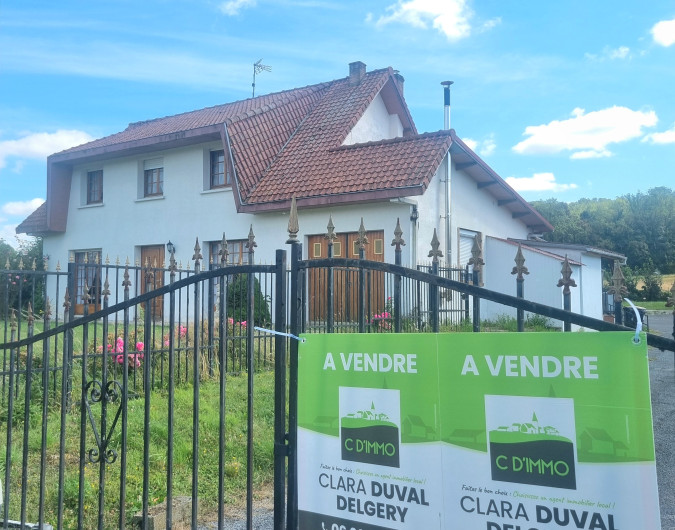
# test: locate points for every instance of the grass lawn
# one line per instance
(653, 306)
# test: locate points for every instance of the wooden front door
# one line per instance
(153, 256)
(346, 288)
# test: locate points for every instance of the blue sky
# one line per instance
(563, 99)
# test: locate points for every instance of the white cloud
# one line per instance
(482, 147)
(586, 135)
(664, 32)
(21, 207)
(622, 52)
(538, 182)
(493, 22)
(233, 7)
(8, 235)
(666, 137)
(450, 17)
(619, 53)
(40, 145)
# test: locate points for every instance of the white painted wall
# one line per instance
(590, 277)
(477, 210)
(375, 124)
(541, 282)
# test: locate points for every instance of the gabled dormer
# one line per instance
(386, 117)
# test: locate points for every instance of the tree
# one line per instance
(641, 226)
(19, 284)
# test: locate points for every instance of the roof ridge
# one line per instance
(399, 139)
(294, 94)
(272, 106)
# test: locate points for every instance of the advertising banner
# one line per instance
(496, 431)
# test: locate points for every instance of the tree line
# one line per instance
(640, 226)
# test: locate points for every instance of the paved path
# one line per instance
(662, 376)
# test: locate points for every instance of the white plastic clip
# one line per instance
(638, 319)
(273, 332)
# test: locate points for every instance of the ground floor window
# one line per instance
(87, 280)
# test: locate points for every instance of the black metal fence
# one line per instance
(125, 410)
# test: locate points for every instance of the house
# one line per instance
(347, 148)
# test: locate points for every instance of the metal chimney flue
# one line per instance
(446, 103)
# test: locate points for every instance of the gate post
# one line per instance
(566, 282)
(197, 257)
(397, 242)
(295, 315)
(477, 262)
(250, 323)
(362, 241)
(296, 308)
(10, 415)
(69, 313)
(280, 438)
(618, 289)
(330, 300)
(520, 269)
(434, 254)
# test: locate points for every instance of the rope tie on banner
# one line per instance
(273, 332)
(638, 319)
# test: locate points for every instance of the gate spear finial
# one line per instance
(293, 224)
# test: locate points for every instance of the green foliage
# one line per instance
(22, 285)
(652, 282)
(237, 301)
(641, 226)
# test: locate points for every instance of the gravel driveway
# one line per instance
(662, 376)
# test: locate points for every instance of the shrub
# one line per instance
(237, 301)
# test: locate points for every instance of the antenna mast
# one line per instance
(258, 67)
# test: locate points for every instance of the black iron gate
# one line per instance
(108, 420)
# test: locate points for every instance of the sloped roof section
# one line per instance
(309, 144)
(401, 167)
(194, 120)
(257, 139)
(36, 223)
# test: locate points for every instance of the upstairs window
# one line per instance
(219, 174)
(153, 182)
(95, 187)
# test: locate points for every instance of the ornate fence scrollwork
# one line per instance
(96, 393)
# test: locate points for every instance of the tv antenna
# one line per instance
(258, 67)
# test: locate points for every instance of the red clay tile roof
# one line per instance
(309, 164)
(36, 223)
(197, 119)
(405, 164)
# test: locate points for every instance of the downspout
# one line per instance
(448, 166)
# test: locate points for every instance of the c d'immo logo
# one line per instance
(369, 432)
(527, 451)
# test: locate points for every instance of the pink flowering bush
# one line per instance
(133, 356)
(383, 320)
